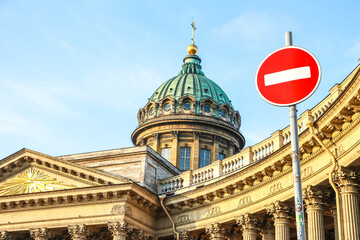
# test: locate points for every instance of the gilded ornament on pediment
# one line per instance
(31, 181)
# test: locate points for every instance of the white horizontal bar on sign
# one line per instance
(287, 75)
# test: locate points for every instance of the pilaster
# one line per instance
(215, 151)
(248, 224)
(119, 230)
(195, 151)
(40, 233)
(156, 137)
(313, 198)
(78, 232)
(175, 148)
(216, 231)
(346, 180)
(281, 216)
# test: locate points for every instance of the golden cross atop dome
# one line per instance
(192, 49)
(193, 30)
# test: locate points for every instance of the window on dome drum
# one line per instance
(185, 156)
(223, 113)
(187, 105)
(221, 156)
(167, 107)
(207, 108)
(166, 153)
(204, 157)
(152, 111)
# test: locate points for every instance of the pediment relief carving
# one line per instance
(32, 180)
(71, 172)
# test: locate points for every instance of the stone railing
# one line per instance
(249, 154)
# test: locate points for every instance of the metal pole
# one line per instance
(299, 206)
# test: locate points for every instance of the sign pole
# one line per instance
(299, 207)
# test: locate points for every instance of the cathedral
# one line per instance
(188, 175)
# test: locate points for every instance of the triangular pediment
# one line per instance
(27, 171)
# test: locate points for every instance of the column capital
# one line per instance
(196, 135)
(347, 180)
(279, 211)
(156, 136)
(216, 231)
(40, 233)
(78, 232)
(119, 230)
(248, 224)
(175, 134)
(313, 198)
(4, 235)
(186, 235)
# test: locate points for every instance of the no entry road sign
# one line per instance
(288, 76)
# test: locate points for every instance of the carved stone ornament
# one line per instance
(347, 180)
(313, 198)
(248, 224)
(5, 236)
(78, 232)
(216, 231)
(40, 233)
(119, 230)
(186, 236)
(279, 211)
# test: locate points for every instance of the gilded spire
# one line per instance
(192, 48)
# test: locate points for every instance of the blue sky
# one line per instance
(73, 74)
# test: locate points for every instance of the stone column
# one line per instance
(40, 233)
(268, 231)
(248, 224)
(119, 230)
(5, 236)
(313, 198)
(175, 148)
(347, 183)
(281, 216)
(215, 151)
(216, 231)
(195, 151)
(78, 232)
(334, 213)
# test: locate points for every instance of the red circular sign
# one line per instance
(288, 76)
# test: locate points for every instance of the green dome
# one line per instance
(191, 81)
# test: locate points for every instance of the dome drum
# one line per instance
(189, 105)
(195, 115)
